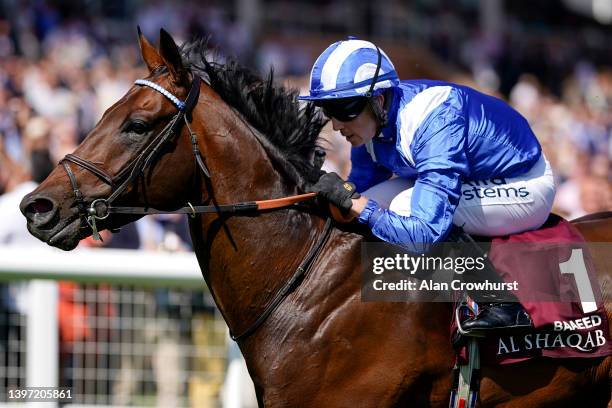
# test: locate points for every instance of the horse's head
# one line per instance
(124, 157)
(257, 140)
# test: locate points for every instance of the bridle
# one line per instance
(101, 208)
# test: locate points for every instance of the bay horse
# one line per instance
(247, 140)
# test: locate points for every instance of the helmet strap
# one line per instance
(370, 92)
(380, 112)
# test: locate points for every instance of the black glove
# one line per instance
(336, 191)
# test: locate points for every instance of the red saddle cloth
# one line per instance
(557, 284)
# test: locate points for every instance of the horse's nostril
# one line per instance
(38, 210)
(40, 206)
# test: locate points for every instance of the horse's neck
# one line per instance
(246, 259)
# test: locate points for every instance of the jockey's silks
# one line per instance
(442, 135)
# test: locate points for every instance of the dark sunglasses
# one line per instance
(343, 109)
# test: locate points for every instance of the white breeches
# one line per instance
(495, 207)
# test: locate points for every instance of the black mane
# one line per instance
(272, 110)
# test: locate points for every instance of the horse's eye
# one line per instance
(138, 127)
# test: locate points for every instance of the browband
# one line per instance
(178, 103)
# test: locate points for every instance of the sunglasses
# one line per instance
(343, 109)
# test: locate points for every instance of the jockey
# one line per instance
(427, 154)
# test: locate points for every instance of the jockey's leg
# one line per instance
(507, 206)
(496, 210)
(495, 207)
(393, 190)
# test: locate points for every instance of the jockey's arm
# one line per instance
(441, 162)
(431, 214)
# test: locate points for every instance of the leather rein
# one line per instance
(101, 208)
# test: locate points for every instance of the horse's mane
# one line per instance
(271, 109)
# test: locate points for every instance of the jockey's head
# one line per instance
(346, 78)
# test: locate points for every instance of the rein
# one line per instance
(101, 208)
(192, 210)
(144, 159)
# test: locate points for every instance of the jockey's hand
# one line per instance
(336, 191)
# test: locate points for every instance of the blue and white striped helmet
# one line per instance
(346, 69)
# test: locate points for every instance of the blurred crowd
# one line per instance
(575, 131)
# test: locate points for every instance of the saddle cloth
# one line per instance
(557, 284)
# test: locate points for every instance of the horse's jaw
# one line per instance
(65, 235)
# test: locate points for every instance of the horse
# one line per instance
(286, 281)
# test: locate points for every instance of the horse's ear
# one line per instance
(172, 57)
(149, 54)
